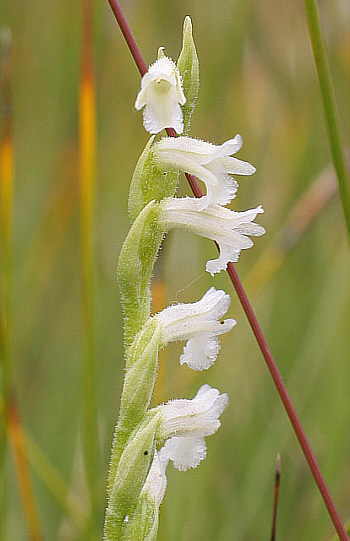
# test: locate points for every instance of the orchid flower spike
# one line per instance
(200, 324)
(228, 228)
(212, 164)
(161, 95)
(185, 423)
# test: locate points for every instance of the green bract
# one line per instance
(129, 478)
(136, 260)
(149, 183)
(140, 376)
(188, 65)
(144, 521)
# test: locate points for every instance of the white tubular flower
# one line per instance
(185, 424)
(161, 94)
(228, 228)
(210, 163)
(200, 324)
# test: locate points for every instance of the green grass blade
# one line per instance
(329, 105)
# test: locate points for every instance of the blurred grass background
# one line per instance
(257, 79)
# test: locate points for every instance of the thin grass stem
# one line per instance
(264, 348)
(276, 497)
(19, 452)
(46, 472)
(54, 483)
(87, 145)
(329, 106)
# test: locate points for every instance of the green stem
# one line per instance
(329, 105)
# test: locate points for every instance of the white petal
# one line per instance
(156, 481)
(229, 147)
(201, 351)
(196, 150)
(182, 161)
(185, 453)
(199, 415)
(225, 190)
(182, 321)
(141, 99)
(228, 254)
(181, 98)
(237, 167)
(162, 112)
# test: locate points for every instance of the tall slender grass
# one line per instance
(329, 106)
(11, 426)
(87, 149)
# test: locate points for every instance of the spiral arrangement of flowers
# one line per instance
(146, 439)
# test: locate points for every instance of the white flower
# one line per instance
(200, 324)
(161, 94)
(228, 228)
(185, 424)
(210, 163)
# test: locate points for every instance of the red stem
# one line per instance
(128, 35)
(264, 348)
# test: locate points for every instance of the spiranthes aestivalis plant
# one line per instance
(147, 439)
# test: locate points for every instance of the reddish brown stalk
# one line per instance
(264, 348)
(128, 35)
